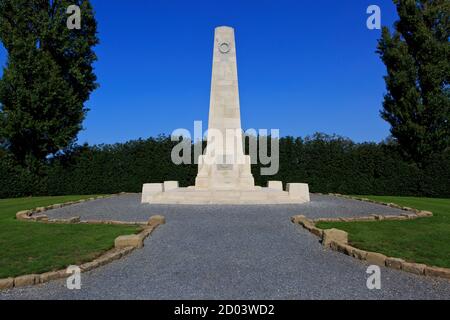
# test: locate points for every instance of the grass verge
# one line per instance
(424, 240)
(30, 247)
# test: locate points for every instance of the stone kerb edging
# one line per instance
(37, 213)
(123, 245)
(337, 240)
(412, 213)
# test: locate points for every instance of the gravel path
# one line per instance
(232, 252)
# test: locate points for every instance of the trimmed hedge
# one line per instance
(327, 163)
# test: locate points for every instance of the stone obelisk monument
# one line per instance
(224, 165)
(224, 172)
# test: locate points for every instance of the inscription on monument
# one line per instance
(224, 167)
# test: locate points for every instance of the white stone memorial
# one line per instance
(224, 175)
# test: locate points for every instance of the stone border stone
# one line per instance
(123, 245)
(337, 240)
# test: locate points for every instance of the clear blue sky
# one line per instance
(304, 66)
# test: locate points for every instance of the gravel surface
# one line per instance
(232, 252)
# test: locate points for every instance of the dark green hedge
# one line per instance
(327, 163)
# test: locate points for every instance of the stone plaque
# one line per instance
(224, 167)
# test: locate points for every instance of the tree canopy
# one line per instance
(48, 76)
(417, 57)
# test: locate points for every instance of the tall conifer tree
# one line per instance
(417, 57)
(48, 76)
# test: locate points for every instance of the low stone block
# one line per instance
(367, 218)
(23, 215)
(74, 220)
(26, 212)
(376, 258)
(149, 190)
(299, 191)
(89, 266)
(277, 185)
(409, 215)
(393, 218)
(128, 223)
(40, 217)
(101, 261)
(425, 214)
(95, 221)
(359, 254)
(40, 209)
(6, 283)
(316, 231)
(156, 220)
(27, 280)
(334, 235)
(147, 231)
(394, 263)
(107, 258)
(114, 254)
(308, 225)
(437, 272)
(415, 268)
(341, 247)
(126, 250)
(135, 241)
(298, 219)
(303, 221)
(333, 245)
(61, 221)
(170, 185)
(52, 275)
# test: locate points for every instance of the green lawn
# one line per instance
(30, 247)
(425, 240)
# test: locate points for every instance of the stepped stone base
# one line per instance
(155, 194)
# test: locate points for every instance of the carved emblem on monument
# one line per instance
(224, 47)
